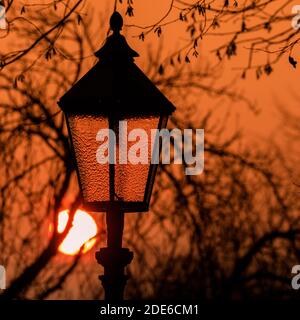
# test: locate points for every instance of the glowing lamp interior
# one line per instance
(82, 232)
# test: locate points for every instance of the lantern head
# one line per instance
(114, 97)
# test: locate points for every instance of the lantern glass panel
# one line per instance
(94, 177)
(131, 178)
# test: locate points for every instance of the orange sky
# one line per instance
(267, 92)
(280, 87)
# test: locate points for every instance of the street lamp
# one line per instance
(115, 90)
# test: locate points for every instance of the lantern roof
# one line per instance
(115, 85)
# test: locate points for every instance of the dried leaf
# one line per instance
(243, 26)
(182, 17)
(268, 69)
(142, 36)
(215, 23)
(292, 61)
(21, 78)
(201, 9)
(129, 11)
(193, 30)
(267, 26)
(48, 55)
(231, 49)
(158, 31)
(258, 73)
(161, 70)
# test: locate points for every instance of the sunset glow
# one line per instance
(82, 232)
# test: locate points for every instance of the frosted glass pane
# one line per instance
(131, 179)
(94, 177)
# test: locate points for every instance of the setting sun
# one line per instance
(82, 232)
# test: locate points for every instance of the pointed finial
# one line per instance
(116, 46)
(116, 22)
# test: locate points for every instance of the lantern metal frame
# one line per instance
(115, 88)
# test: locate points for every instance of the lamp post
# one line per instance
(114, 90)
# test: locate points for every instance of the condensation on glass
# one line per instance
(131, 179)
(94, 177)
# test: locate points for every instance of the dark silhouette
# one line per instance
(232, 232)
